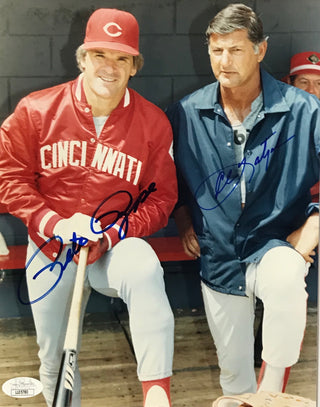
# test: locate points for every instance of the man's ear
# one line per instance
(82, 65)
(262, 50)
(134, 70)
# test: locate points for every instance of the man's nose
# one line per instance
(109, 65)
(311, 88)
(225, 58)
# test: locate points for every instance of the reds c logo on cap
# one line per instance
(313, 59)
(113, 29)
(305, 62)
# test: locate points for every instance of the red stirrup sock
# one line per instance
(156, 393)
(271, 378)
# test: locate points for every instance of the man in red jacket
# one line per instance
(91, 161)
(305, 74)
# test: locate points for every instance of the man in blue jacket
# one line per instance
(246, 149)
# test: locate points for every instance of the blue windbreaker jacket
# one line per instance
(280, 165)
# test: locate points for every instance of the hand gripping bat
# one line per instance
(64, 386)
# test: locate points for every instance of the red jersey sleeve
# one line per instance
(19, 171)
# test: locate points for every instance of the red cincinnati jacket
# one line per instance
(52, 164)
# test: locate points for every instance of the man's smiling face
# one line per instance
(106, 73)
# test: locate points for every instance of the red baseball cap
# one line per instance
(112, 29)
(305, 62)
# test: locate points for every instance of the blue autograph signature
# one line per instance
(225, 176)
(132, 206)
(78, 242)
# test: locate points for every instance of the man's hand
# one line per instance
(79, 224)
(96, 249)
(186, 232)
(306, 238)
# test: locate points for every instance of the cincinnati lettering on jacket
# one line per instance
(105, 159)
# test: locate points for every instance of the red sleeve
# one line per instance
(315, 192)
(19, 171)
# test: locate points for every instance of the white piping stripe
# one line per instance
(109, 240)
(78, 90)
(117, 227)
(126, 99)
(307, 66)
(45, 220)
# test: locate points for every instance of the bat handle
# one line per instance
(71, 338)
(65, 382)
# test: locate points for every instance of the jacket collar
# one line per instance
(273, 99)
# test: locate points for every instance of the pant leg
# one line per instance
(50, 314)
(133, 272)
(280, 283)
(230, 319)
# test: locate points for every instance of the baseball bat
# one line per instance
(64, 386)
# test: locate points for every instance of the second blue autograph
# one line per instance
(224, 177)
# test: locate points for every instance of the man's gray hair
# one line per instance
(138, 60)
(237, 16)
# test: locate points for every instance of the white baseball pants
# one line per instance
(131, 271)
(279, 281)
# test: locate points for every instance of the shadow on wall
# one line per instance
(199, 49)
(67, 59)
(199, 52)
(198, 45)
(75, 39)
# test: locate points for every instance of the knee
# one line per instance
(143, 265)
(283, 273)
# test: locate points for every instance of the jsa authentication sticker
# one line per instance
(22, 387)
